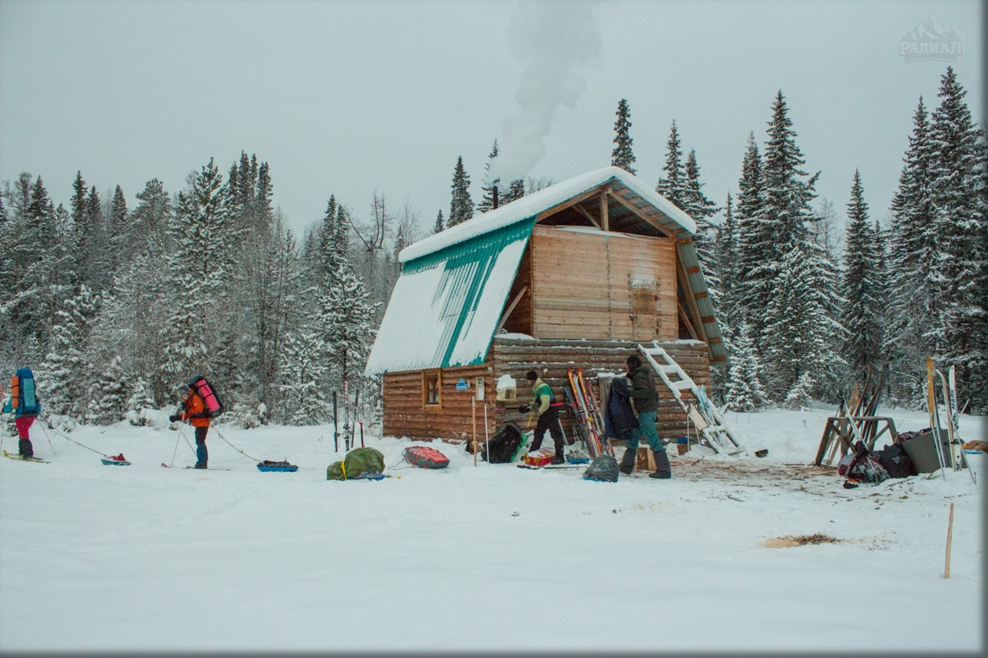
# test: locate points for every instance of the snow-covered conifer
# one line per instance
(461, 205)
(622, 156)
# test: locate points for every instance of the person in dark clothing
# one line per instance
(548, 410)
(194, 410)
(645, 402)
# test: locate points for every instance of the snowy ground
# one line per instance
(491, 557)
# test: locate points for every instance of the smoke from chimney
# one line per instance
(558, 41)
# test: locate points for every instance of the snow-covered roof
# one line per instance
(444, 309)
(454, 285)
(531, 205)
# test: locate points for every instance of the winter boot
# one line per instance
(628, 461)
(662, 469)
(559, 457)
(25, 448)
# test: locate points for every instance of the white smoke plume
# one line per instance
(558, 41)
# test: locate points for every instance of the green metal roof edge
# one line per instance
(504, 235)
(699, 284)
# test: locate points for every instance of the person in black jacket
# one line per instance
(645, 401)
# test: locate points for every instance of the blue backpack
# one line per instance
(23, 397)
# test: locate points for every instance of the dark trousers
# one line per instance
(549, 421)
(201, 454)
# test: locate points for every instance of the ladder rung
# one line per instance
(671, 369)
(682, 385)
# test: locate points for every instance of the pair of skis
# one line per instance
(587, 416)
(948, 384)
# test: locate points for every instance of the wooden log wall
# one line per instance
(404, 415)
(552, 358)
(585, 285)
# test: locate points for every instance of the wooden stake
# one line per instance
(950, 532)
(473, 414)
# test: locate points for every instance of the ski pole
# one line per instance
(188, 443)
(71, 440)
(336, 429)
(361, 434)
(174, 452)
(356, 409)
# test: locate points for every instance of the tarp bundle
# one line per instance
(603, 468)
(358, 463)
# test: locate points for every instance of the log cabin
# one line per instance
(575, 275)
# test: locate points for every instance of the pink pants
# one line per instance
(23, 423)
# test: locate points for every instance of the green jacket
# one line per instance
(543, 396)
(643, 392)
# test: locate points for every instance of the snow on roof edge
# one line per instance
(532, 204)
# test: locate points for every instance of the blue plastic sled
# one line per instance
(114, 462)
(289, 468)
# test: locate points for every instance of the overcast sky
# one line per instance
(348, 98)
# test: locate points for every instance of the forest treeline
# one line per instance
(114, 304)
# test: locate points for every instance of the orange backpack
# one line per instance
(15, 391)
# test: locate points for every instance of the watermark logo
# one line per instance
(931, 41)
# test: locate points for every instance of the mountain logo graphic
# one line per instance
(931, 41)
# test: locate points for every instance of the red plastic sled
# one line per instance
(425, 457)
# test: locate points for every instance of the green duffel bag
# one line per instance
(359, 463)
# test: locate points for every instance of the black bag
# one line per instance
(603, 468)
(503, 446)
(896, 461)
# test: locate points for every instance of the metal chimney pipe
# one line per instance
(494, 198)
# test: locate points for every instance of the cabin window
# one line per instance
(431, 388)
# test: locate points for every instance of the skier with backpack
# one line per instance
(645, 401)
(195, 411)
(25, 404)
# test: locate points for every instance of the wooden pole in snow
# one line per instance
(950, 532)
(473, 414)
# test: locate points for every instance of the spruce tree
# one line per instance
(959, 226)
(622, 155)
(150, 219)
(860, 287)
(753, 244)
(199, 268)
(514, 192)
(744, 388)
(69, 364)
(672, 184)
(304, 369)
(487, 200)
(327, 241)
(118, 227)
(439, 226)
(912, 247)
(797, 336)
(726, 249)
(345, 321)
(108, 394)
(461, 205)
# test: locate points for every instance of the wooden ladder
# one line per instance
(704, 415)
